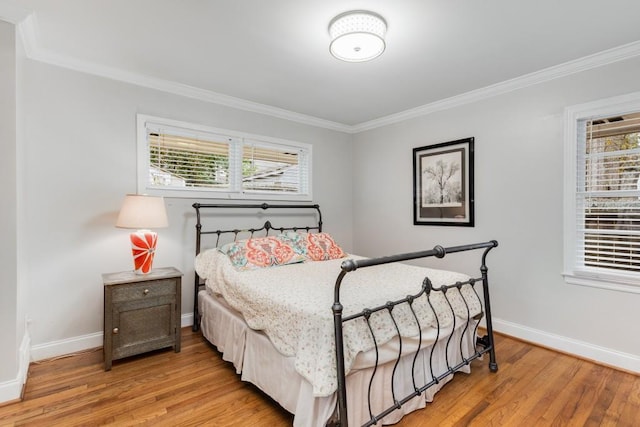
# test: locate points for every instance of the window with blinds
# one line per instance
(272, 169)
(182, 160)
(198, 161)
(608, 194)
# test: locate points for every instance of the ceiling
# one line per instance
(274, 54)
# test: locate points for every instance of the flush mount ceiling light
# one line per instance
(357, 36)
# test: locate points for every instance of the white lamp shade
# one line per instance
(142, 212)
(357, 36)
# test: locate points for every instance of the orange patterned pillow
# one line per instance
(314, 246)
(260, 252)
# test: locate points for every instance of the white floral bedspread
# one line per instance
(292, 305)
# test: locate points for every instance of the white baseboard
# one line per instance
(606, 356)
(186, 320)
(66, 346)
(12, 390)
(628, 362)
(80, 343)
(24, 358)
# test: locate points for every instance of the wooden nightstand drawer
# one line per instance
(141, 312)
(150, 289)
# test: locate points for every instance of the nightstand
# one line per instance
(141, 312)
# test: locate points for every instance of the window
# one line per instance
(602, 188)
(178, 159)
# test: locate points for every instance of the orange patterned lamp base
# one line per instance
(143, 247)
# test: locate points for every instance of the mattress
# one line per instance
(291, 304)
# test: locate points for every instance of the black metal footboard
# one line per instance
(483, 345)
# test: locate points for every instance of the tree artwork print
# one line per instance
(442, 180)
(443, 183)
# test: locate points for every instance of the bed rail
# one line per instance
(265, 228)
(483, 345)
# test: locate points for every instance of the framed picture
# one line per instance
(443, 184)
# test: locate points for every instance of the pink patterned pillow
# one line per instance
(260, 252)
(322, 247)
(314, 246)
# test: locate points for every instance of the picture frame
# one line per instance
(443, 184)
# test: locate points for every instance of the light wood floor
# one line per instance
(533, 387)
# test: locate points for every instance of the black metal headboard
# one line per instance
(266, 227)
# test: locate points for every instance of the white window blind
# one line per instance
(178, 159)
(608, 195)
(198, 161)
(270, 168)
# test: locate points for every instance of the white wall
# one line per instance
(80, 154)
(8, 191)
(22, 226)
(14, 351)
(519, 198)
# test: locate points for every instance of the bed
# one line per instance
(334, 338)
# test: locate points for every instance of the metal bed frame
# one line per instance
(484, 344)
(266, 227)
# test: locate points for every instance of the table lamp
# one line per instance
(142, 212)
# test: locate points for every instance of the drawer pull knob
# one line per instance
(116, 330)
(146, 291)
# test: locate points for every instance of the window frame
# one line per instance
(236, 140)
(573, 273)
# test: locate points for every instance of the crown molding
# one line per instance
(11, 12)
(179, 89)
(28, 30)
(596, 60)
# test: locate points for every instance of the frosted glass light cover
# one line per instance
(357, 36)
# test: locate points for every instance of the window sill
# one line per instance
(612, 283)
(190, 193)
